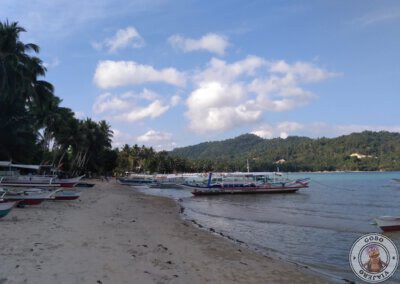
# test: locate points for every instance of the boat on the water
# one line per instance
(245, 184)
(388, 223)
(5, 208)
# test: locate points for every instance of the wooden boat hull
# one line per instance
(388, 223)
(39, 181)
(67, 195)
(127, 181)
(202, 193)
(5, 208)
(85, 184)
(27, 199)
(250, 188)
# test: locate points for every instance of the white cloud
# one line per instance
(211, 42)
(305, 72)
(265, 131)
(121, 138)
(165, 146)
(79, 114)
(282, 130)
(231, 95)
(54, 63)
(217, 107)
(153, 110)
(284, 135)
(111, 74)
(154, 136)
(128, 37)
(316, 129)
(109, 102)
(131, 107)
(290, 126)
(219, 70)
(175, 100)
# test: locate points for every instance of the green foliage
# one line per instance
(33, 126)
(382, 151)
(146, 160)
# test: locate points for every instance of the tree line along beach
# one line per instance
(67, 216)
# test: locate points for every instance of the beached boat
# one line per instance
(58, 194)
(137, 180)
(66, 195)
(38, 181)
(245, 184)
(85, 185)
(5, 208)
(26, 197)
(388, 223)
(167, 181)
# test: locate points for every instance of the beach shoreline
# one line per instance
(115, 234)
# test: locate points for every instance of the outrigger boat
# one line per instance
(245, 184)
(59, 194)
(38, 181)
(388, 223)
(6, 207)
(25, 197)
(11, 177)
(137, 180)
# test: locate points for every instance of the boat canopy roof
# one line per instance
(21, 166)
(5, 163)
(9, 164)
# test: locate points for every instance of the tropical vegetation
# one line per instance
(366, 151)
(34, 127)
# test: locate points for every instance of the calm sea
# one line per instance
(315, 227)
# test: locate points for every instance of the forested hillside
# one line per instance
(371, 151)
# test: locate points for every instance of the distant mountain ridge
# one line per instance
(371, 151)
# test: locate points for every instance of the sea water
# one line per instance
(315, 227)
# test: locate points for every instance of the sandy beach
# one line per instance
(116, 235)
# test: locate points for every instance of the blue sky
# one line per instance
(175, 73)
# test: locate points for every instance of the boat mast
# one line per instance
(248, 166)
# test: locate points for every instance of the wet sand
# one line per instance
(116, 235)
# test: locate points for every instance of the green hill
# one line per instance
(376, 151)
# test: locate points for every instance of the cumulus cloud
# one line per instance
(282, 130)
(210, 42)
(264, 131)
(153, 110)
(304, 71)
(131, 107)
(110, 74)
(215, 106)
(154, 136)
(128, 37)
(109, 102)
(229, 95)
